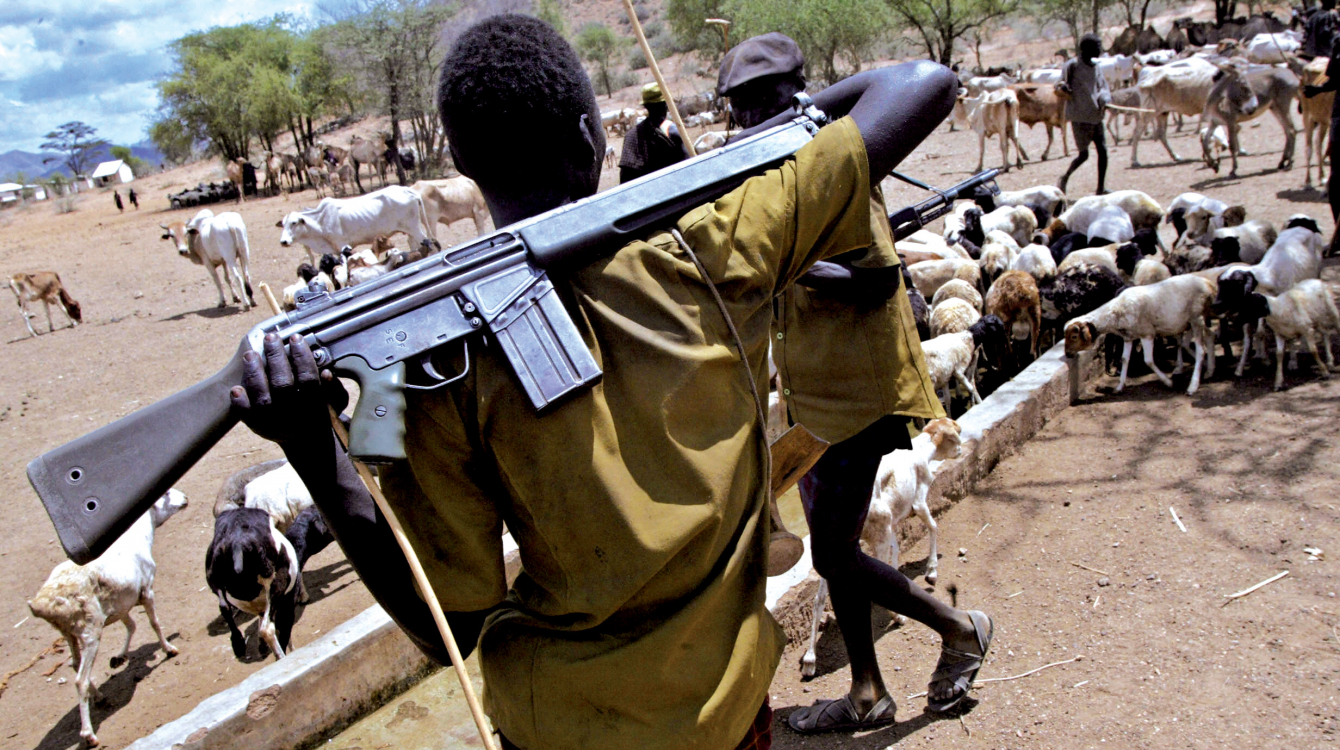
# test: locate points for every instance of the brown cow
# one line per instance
(1038, 103)
(44, 286)
(234, 170)
(1316, 118)
(274, 169)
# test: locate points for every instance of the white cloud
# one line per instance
(97, 60)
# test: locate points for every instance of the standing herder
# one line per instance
(647, 148)
(852, 372)
(1089, 96)
(639, 617)
(1319, 31)
(116, 197)
(134, 199)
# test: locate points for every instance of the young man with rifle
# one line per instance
(852, 372)
(639, 502)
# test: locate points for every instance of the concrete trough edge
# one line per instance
(326, 685)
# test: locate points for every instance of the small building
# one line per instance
(12, 192)
(9, 192)
(111, 173)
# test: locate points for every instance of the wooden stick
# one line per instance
(1173, 511)
(979, 683)
(979, 531)
(656, 73)
(56, 647)
(1133, 110)
(1092, 570)
(416, 568)
(1246, 591)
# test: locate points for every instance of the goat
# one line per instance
(902, 487)
(952, 315)
(1254, 238)
(80, 600)
(1144, 211)
(393, 260)
(1014, 298)
(953, 355)
(929, 276)
(1304, 311)
(1168, 308)
(251, 566)
(1036, 261)
(961, 289)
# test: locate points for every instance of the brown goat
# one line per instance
(1014, 299)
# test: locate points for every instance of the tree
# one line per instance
(395, 46)
(137, 165)
(598, 46)
(1129, 8)
(827, 31)
(551, 13)
(687, 19)
(172, 139)
(941, 23)
(75, 140)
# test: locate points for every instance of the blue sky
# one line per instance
(97, 60)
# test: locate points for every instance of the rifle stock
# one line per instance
(95, 487)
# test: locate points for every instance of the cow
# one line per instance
(1117, 70)
(1316, 118)
(234, 170)
(274, 170)
(976, 85)
(336, 222)
(1244, 92)
(363, 151)
(1039, 103)
(295, 168)
(212, 241)
(47, 287)
(1181, 88)
(453, 199)
(995, 113)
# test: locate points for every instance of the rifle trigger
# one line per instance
(426, 364)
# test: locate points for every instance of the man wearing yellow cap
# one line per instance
(647, 148)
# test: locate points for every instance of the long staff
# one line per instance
(416, 568)
(656, 73)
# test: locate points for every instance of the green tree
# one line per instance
(598, 45)
(687, 19)
(395, 47)
(829, 32)
(137, 165)
(76, 142)
(551, 12)
(940, 24)
(172, 139)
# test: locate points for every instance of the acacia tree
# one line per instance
(687, 23)
(942, 23)
(597, 44)
(828, 32)
(76, 142)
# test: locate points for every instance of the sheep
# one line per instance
(1105, 256)
(336, 269)
(1149, 271)
(928, 276)
(1304, 311)
(1185, 202)
(306, 272)
(1294, 256)
(1016, 221)
(995, 260)
(1014, 298)
(1065, 244)
(961, 289)
(929, 243)
(251, 566)
(1194, 258)
(394, 260)
(953, 355)
(1111, 224)
(1047, 197)
(361, 258)
(1050, 232)
(952, 315)
(1254, 238)
(1203, 221)
(80, 600)
(1076, 291)
(273, 487)
(309, 534)
(1130, 255)
(1036, 261)
(921, 312)
(1145, 212)
(1168, 308)
(902, 486)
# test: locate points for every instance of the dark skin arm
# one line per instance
(280, 399)
(895, 108)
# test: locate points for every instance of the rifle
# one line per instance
(909, 219)
(383, 334)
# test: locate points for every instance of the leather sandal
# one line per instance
(960, 667)
(840, 715)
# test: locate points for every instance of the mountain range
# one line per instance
(34, 165)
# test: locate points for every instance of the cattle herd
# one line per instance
(1009, 275)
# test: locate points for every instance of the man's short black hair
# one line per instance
(512, 91)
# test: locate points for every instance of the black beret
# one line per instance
(769, 54)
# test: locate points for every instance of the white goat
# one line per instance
(1036, 261)
(80, 600)
(902, 486)
(953, 315)
(1112, 224)
(1049, 197)
(1303, 312)
(928, 276)
(1168, 308)
(961, 289)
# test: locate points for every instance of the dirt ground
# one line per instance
(151, 329)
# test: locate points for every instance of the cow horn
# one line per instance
(165, 226)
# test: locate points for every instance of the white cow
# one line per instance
(212, 241)
(995, 113)
(336, 222)
(1118, 70)
(1269, 49)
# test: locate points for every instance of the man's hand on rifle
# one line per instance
(285, 397)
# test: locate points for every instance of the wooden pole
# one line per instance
(416, 568)
(656, 73)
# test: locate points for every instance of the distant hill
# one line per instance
(32, 164)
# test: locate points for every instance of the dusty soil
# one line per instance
(151, 328)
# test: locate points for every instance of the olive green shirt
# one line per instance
(639, 505)
(842, 368)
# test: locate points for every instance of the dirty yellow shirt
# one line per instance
(638, 620)
(842, 368)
